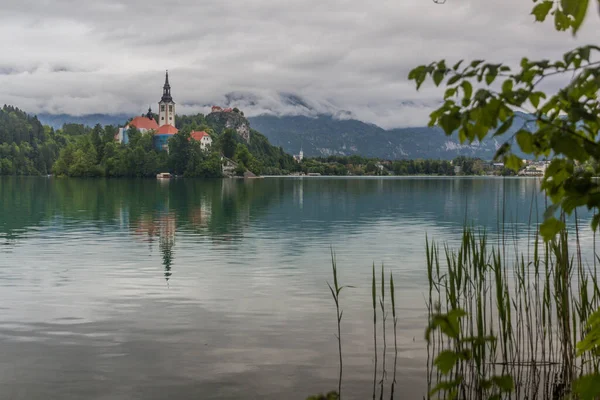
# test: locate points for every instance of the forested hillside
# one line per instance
(26, 147)
(29, 148)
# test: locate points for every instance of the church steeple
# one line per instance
(166, 97)
(166, 106)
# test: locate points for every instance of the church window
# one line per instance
(162, 107)
(162, 118)
(170, 108)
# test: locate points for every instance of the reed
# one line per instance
(522, 318)
(395, 320)
(374, 298)
(335, 293)
(383, 319)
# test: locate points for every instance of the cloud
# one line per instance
(341, 56)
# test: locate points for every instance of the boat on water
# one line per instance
(164, 175)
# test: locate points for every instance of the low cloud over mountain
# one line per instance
(347, 58)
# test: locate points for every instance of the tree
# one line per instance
(96, 138)
(242, 155)
(180, 151)
(566, 123)
(228, 145)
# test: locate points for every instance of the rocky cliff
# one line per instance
(230, 120)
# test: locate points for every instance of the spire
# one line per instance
(149, 115)
(166, 97)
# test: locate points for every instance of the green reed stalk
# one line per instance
(383, 319)
(395, 319)
(532, 304)
(335, 293)
(374, 296)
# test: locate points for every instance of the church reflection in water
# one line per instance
(161, 225)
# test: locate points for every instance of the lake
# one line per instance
(188, 289)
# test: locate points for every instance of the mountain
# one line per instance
(57, 120)
(325, 135)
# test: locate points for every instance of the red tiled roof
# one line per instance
(167, 130)
(198, 135)
(144, 123)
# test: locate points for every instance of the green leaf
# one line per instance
(588, 387)
(492, 74)
(505, 383)
(449, 93)
(541, 10)
(577, 9)
(535, 97)
(505, 126)
(450, 122)
(550, 227)
(457, 65)
(446, 360)
(591, 341)
(561, 21)
(525, 141)
(449, 388)
(551, 210)
(513, 162)
(454, 79)
(595, 222)
(502, 150)
(468, 89)
(507, 87)
(476, 63)
(438, 77)
(418, 74)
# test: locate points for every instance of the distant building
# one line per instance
(163, 130)
(228, 166)
(202, 137)
(220, 109)
(534, 168)
(166, 112)
(144, 124)
(299, 157)
(162, 136)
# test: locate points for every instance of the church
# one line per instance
(165, 128)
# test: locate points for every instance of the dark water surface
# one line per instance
(141, 289)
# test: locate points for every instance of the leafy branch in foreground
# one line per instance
(588, 386)
(564, 125)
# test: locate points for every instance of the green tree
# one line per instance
(180, 151)
(228, 145)
(97, 142)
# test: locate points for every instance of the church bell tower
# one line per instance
(166, 106)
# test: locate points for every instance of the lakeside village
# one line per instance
(165, 129)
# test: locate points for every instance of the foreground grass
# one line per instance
(503, 324)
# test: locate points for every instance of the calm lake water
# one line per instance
(142, 289)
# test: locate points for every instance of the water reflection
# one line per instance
(246, 312)
(222, 209)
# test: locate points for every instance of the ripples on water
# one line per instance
(128, 289)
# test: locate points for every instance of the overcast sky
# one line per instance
(109, 56)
